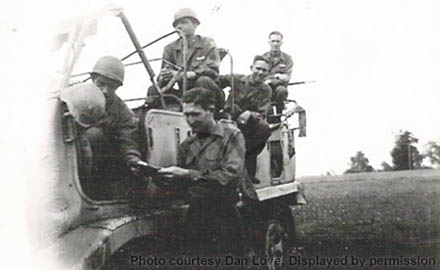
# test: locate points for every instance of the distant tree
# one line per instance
(405, 155)
(359, 163)
(432, 153)
(386, 167)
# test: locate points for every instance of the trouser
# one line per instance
(202, 81)
(213, 224)
(279, 92)
(279, 95)
(256, 133)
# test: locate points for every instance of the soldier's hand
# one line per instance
(173, 171)
(166, 74)
(280, 76)
(190, 74)
(135, 167)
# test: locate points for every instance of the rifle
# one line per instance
(301, 82)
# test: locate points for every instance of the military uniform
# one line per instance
(202, 58)
(113, 143)
(279, 63)
(254, 97)
(215, 163)
(248, 95)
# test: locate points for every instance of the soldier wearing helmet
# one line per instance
(202, 61)
(108, 75)
(115, 152)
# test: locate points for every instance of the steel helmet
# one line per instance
(110, 67)
(184, 13)
(86, 103)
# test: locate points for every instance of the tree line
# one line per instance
(405, 156)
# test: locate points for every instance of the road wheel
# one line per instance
(275, 245)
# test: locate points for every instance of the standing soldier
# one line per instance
(202, 60)
(280, 71)
(210, 163)
(248, 106)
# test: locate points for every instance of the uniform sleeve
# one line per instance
(289, 67)
(264, 103)
(193, 175)
(210, 64)
(231, 165)
(167, 56)
(125, 132)
(257, 101)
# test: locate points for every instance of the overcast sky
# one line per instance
(374, 62)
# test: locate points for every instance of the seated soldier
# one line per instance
(115, 153)
(248, 105)
(202, 61)
(211, 163)
(280, 71)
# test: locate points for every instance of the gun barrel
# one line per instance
(301, 82)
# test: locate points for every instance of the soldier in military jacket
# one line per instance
(202, 59)
(280, 71)
(211, 163)
(248, 105)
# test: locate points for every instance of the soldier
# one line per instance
(281, 65)
(114, 150)
(210, 162)
(202, 60)
(248, 106)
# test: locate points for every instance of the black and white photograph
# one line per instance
(220, 134)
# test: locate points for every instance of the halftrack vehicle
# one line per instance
(90, 222)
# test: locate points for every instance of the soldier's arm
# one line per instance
(165, 74)
(264, 103)
(231, 165)
(167, 56)
(124, 133)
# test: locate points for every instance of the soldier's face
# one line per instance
(198, 118)
(275, 42)
(260, 70)
(186, 26)
(106, 85)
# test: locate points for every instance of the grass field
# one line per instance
(371, 216)
(376, 217)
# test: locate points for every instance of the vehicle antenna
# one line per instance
(185, 61)
(231, 61)
(149, 44)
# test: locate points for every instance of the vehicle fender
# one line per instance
(90, 246)
(293, 190)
